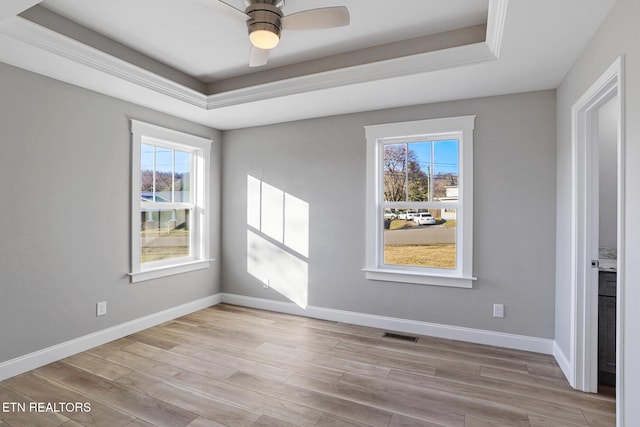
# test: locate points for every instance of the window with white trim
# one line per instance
(169, 204)
(420, 202)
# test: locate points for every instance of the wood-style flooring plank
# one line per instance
(139, 423)
(504, 375)
(339, 407)
(203, 422)
(429, 385)
(455, 356)
(600, 420)
(206, 406)
(179, 361)
(570, 398)
(233, 363)
(329, 420)
(14, 416)
(425, 409)
(237, 366)
(97, 366)
(267, 421)
(474, 421)
(538, 420)
(135, 362)
(486, 350)
(249, 399)
(332, 361)
(41, 389)
(279, 359)
(423, 363)
(398, 420)
(140, 405)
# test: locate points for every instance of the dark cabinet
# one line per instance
(607, 328)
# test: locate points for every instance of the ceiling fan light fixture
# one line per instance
(264, 39)
(265, 21)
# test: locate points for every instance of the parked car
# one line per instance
(424, 218)
(408, 215)
(390, 215)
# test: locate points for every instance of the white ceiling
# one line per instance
(530, 46)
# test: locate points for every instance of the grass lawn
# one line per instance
(159, 244)
(435, 256)
(398, 224)
(163, 252)
(162, 232)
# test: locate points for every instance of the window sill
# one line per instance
(418, 278)
(169, 270)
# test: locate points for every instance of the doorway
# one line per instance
(603, 99)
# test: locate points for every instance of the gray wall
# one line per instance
(322, 161)
(65, 167)
(617, 36)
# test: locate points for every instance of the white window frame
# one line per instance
(460, 128)
(200, 149)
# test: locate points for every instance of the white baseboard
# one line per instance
(499, 339)
(564, 363)
(48, 355)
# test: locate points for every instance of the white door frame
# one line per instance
(584, 328)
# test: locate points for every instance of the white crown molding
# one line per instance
(495, 25)
(479, 336)
(78, 54)
(57, 352)
(398, 67)
(41, 37)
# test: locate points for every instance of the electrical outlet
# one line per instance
(101, 308)
(498, 310)
(266, 283)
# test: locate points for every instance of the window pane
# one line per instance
(426, 240)
(419, 168)
(164, 174)
(395, 172)
(164, 234)
(146, 169)
(182, 176)
(446, 167)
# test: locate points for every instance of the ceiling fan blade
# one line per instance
(315, 19)
(238, 11)
(258, 57)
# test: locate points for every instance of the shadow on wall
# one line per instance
(278, 240)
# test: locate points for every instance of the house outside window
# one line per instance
(169, 204)
(420, 202)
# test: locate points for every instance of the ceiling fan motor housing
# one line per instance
(264, 15)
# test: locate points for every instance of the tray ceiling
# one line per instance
(189, 58)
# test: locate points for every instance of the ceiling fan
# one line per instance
(265, 22)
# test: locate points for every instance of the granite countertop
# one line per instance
(608, 259)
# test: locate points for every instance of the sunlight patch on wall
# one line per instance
(283, 272)
(296, 224)
(278, 240)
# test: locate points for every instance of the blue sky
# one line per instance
(163, 159)
(445, 155)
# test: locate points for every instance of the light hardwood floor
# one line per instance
(234, 366)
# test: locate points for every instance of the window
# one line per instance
(169, 204)
(420, 202)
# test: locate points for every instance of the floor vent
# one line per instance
(400, 337)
